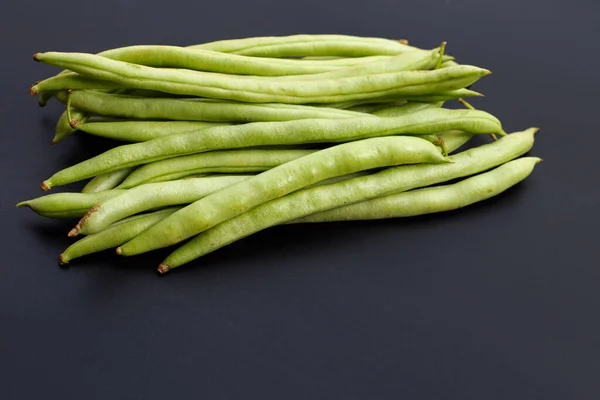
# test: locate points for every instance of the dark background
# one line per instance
(496, 301)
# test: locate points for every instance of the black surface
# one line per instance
(497, 301)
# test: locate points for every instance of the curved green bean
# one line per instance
(113, 236)
(107, 181)
(67, 205)
(415, 60)
(276, 133)
(321, 198)
(266, 89)
(150, 196)
(335, 161)
(143, 108)
(432, 199)
(308, 46)
(227, 161)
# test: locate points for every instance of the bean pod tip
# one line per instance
(163, 269)
(23, 204)
(46, 185)
(63, 260)
(73, 232)
(36, 57)
(33, 90)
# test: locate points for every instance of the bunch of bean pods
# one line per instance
(214, 142)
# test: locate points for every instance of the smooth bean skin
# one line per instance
(415, 60)
(266, 89)
(200, 59)
(151, 196)
(107, 181)
(142, 108)
(141, 131)
(304, 45)
(309, 201)
(67, 205)
(435, 199)
(277, 133)
(228, 161)
(335, 161)
(113, 236)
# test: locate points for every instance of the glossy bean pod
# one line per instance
(335, 161)
(321, 198)
(277, 133)
(266, 89)
(144, 108)
(433, 199)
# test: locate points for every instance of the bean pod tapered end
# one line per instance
(73, 232)
(163, 269)
(63, 260)
(46, 185)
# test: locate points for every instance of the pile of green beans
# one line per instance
(216, 141)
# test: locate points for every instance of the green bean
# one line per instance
(321, 198)
(415, 60)
(292, 69)
(199, 59)
(107, 181)
(228, 161)
(266, 89)
(113, 236)
(195, 109)
(141, 131)
(67, 205)
(306, 45)
(276, 133)
(335, 161)
(411, 61)
(150, 196)
(433, 199)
